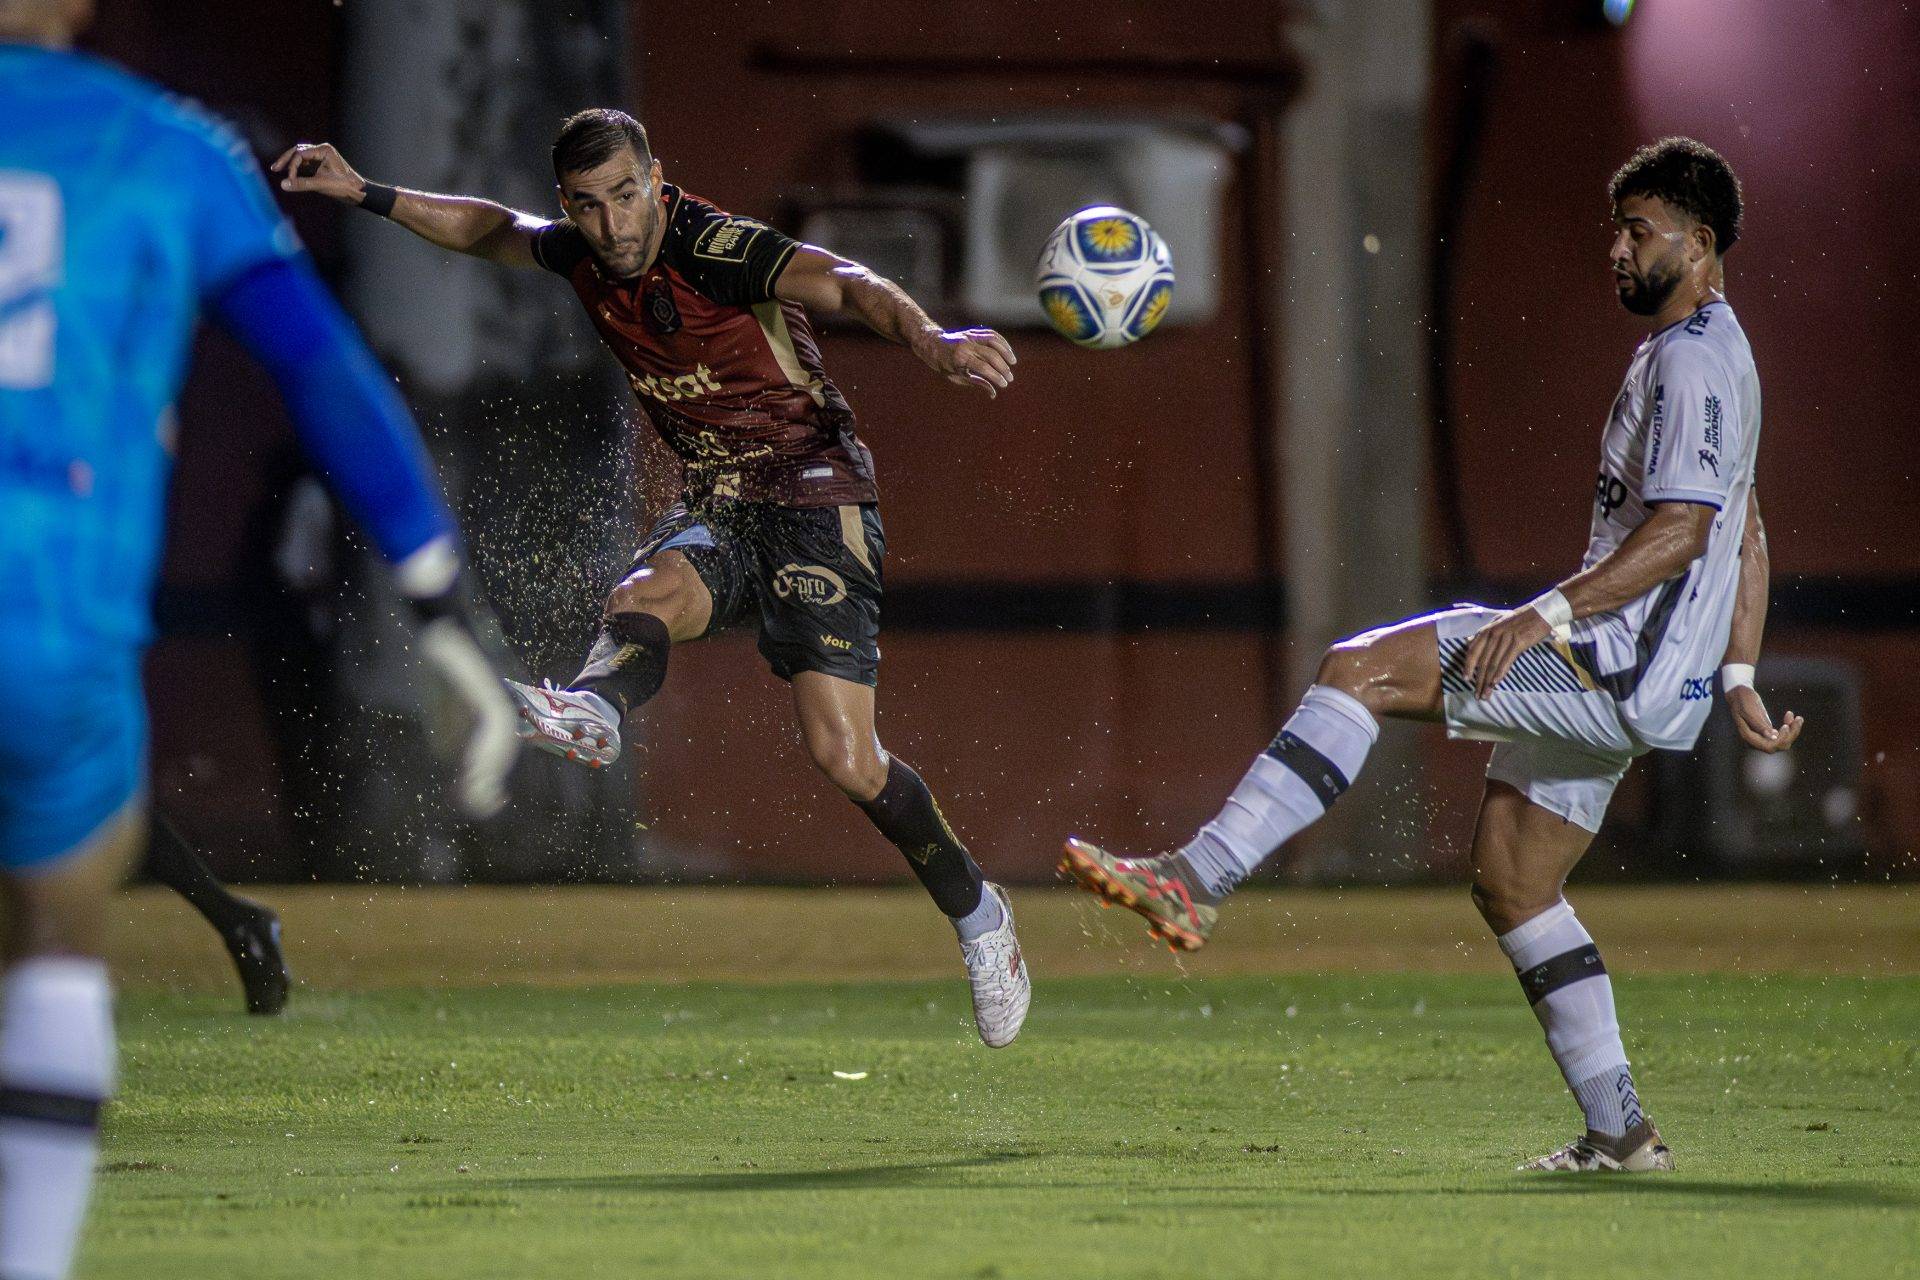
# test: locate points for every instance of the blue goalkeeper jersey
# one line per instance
(123, 210)
(125, 213)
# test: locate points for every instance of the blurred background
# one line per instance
(1381, 388)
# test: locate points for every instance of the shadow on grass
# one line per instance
(1840, 1195)
(933, 1173)
(1850, 1195)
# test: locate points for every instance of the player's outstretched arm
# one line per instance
(1669, 540)
(464, 224)
(1750, 717)
(822, 281)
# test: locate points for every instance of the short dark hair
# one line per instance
(588, 139)
(1689, 176)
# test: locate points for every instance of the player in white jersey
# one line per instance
(1616, 660)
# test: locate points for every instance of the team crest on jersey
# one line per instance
(813, 584)
(727, 241)
(658, 310)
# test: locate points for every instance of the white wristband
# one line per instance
(1558, 613)
(1736, 675)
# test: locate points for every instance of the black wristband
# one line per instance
(379, 199)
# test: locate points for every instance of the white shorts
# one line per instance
(1563, 742)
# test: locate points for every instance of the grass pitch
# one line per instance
(1154, 1122)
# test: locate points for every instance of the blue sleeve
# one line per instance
(347, 415)
(237, 225)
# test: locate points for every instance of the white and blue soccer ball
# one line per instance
(1105, 278)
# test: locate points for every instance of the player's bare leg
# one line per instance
(1522, 855)
(660, 604)
(836, 720)
(1393, 671)
(56, 1044)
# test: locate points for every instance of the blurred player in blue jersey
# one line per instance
(125, 214)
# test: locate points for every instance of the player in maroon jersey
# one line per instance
(778, 520)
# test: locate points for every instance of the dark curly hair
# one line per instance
(1689, 176)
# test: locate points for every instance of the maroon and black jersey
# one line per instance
(729, 374)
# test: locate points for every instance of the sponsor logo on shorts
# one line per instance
(835, 642)
(1697, 689)
(811, 584)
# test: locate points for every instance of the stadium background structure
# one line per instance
(1092, 546)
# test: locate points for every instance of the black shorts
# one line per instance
(811, 573)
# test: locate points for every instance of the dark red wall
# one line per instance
(1136, 465)
(1817, 106)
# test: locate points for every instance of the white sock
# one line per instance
(1288, 787)
(1561, 972)
(56, 1068)
(982, 920)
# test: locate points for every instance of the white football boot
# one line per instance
(997, 972)
(1638, 1150)
(565, 723)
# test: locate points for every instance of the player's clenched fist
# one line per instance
(317, 166)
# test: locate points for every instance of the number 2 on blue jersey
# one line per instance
(32, 253)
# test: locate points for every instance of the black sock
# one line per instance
(907, 814)
(172, 862)
(628, 661)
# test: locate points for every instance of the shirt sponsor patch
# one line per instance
(727, 241)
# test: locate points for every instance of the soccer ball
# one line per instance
(1105, 278)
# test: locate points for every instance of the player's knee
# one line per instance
(60, 924)
(1507, 904)
(644, 592)
(1348, 667)
(666, 586)
(855, 770)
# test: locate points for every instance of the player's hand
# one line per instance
(316, 166)
(473, 720)
(1495, 647)
(1756, 727)
(976, 357)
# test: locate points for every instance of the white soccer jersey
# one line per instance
(1684, 428)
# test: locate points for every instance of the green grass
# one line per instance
(1351, 1126)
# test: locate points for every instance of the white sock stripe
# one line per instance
(1343, 704)
(1338, 727)
(56, 1027)
(1548, 934)
(1602, 1055)
(56, 1063)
